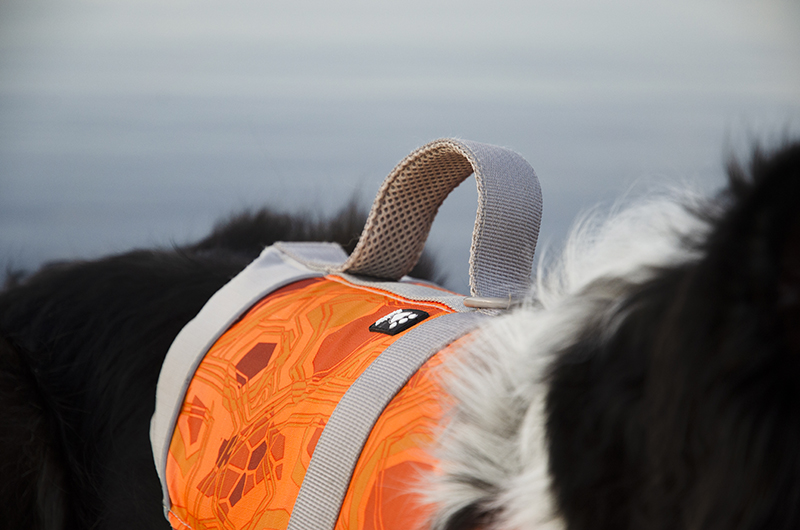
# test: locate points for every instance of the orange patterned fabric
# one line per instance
(260, 399)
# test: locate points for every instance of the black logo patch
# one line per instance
(399, 320)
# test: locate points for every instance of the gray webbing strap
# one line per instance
(506, 225)
(339, 447)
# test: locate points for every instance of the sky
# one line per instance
(132, 123)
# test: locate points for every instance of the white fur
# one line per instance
(495, 434)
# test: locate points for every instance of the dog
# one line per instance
(649, 379)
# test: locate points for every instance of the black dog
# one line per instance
(662, 387)
(81, 346)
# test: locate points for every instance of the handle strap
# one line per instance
(506, 225)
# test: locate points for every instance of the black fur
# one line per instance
(688, 414)
(29, 459)
(82, 347)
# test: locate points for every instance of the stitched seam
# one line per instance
(388, 294)
(184, 523)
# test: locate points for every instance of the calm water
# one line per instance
(134, 123)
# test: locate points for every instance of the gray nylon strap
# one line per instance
(506, 225)
(339, 447)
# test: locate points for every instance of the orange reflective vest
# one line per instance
(262, 395)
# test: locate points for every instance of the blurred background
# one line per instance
(130, 123)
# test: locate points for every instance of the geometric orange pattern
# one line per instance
(260, 398)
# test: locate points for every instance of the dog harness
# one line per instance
(306, 392)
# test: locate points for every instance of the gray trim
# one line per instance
(270, 271)
(324, 257)
(414, 291)
(316, 256)
(339, 447)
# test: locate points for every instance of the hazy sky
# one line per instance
(127, 123)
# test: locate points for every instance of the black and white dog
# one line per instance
(651, 381)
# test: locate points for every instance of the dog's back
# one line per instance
(676, 406)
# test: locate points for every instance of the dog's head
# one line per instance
(654, 380)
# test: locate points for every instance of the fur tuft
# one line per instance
(650, 380)
(494, 451)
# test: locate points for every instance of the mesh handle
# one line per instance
(506, 225)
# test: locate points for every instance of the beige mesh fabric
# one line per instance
(404, 210)
(506, 226)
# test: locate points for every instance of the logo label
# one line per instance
(399, 320)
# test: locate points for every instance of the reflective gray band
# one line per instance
(339, 447)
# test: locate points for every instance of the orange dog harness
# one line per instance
(306, 392)
(247, 429)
